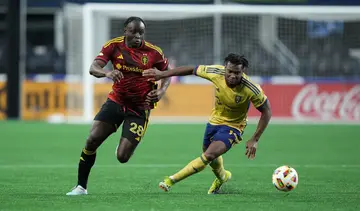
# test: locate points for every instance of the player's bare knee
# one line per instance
(90, 144)
(125, 150)
(210, 156)
(98, 133)
(93, 142)
(123, 158)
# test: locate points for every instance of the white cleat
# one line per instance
(77, 190)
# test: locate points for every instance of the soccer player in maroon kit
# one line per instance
(131, 99)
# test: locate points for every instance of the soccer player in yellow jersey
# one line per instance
(234, 92)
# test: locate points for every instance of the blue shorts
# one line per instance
(230, 136)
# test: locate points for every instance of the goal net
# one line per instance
(284, 44)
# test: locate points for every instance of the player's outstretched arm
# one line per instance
(266, 114)
(165, 82)
(155, 95)
(155, 74)
(96, 69)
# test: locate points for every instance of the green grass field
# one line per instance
(38, 165)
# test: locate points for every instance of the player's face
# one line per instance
(233, 74)
(134, 33)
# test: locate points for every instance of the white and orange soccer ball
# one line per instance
(285, 178)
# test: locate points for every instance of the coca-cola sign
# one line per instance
(314, 102)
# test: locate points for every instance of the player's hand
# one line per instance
(154, 96)
(251, 147)
(115, 75)
(153, 74)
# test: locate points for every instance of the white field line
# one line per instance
(251, 120)
(53, 166)
(204, 119)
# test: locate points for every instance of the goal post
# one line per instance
(177, 29)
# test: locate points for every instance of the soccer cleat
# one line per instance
(77, 190)
(216, 185)
(166, 184)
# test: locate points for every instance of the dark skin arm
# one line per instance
(251, 145)
(155, 75)
(155, 95)
(96, 69)
(165, 83)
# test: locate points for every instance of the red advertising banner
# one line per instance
(324, 102)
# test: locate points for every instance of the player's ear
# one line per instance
(243, 69)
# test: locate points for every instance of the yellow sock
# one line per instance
(217, 166)
(193, 167)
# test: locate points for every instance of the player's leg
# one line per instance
(125, 149)
(134, 127)
(98, 133)
(229, 137)
(217, 165)
(218, 168)
(216, 149)
(195, 165)
(105, 123)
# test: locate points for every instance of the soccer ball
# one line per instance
(285, 178)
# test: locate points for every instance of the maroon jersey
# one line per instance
(133, 88)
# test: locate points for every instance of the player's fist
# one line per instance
(251, 147)
(115, 75)
(153, 74)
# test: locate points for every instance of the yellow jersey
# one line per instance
(231, 104)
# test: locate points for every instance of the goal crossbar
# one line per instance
(115, 10)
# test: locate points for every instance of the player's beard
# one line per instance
(232, 82)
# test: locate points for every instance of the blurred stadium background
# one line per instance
(304, 53)
(307, 58)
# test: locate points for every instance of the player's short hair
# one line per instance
(133, 18)
(236, 59)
